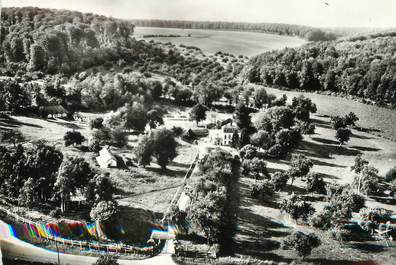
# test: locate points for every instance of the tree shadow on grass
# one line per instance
(330, 262)
(325, 151)
(275, 233)
(325, 141)
(167, 172)
(322, 123)
(368, 247)
(258, 248)
(274, 170)
(294, 189)
(13, 123)
(328, 176)
(366, 149)
(177, 164)
(361, 136)
(65, 124)
(323, 163)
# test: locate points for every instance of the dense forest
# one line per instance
(309, 33)
(59, 40)
(364, 67)
(86, 61)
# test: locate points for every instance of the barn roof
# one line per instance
(55, 109)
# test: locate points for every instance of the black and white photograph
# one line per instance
(208, 132)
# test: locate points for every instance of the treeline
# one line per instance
(362, 68)
(54, 41)
(310, 33)
(41, 174)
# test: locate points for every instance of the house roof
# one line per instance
(229, 129)
(106, 155)
(56, 109)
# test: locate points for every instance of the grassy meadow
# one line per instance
(212, 41)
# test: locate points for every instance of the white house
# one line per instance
(222, 136)
(106, 159)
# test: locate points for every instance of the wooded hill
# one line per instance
(59, 40)
(363, 67)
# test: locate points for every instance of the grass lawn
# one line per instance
(262, 226)
(145, 192)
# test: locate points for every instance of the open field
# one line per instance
(212, 41)
(370, 117)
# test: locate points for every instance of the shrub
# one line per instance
(353, 201)
(297, 208)
(332, 215)
(96, 123)
(277, 151)
(302, 243)
(94, 146)
(279, 180)
(390, 175)
(106, 260)
(177, 131)
(262, 190)
(375, 214)
(104, 210)
(255, 168)
(55, 213)
(315, 183)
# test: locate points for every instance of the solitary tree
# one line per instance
(351, 119)
(260, 97)
(27, 194)
(390, 175)
(302, 107)
(279, 180)
(163, 146)
(73, 138)
(359, 164)
(343, 135)
(255, 168)
(315, 183)
(242, 116)
(302, 243)
(198, 113)
(74, 174)
(143, 151)
(235, 140)
(99, 188)
(297, 208)
(118, 137)
(96, 123)
(155, 118)
(300, 166)
(244, 139)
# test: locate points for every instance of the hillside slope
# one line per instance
(363, 67)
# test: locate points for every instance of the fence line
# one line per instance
(117, 248)
(179, 191)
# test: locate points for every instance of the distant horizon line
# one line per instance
(206, 21)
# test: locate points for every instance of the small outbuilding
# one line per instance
(106, 159)
(55, 111)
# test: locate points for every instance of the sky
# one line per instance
(319, 13)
